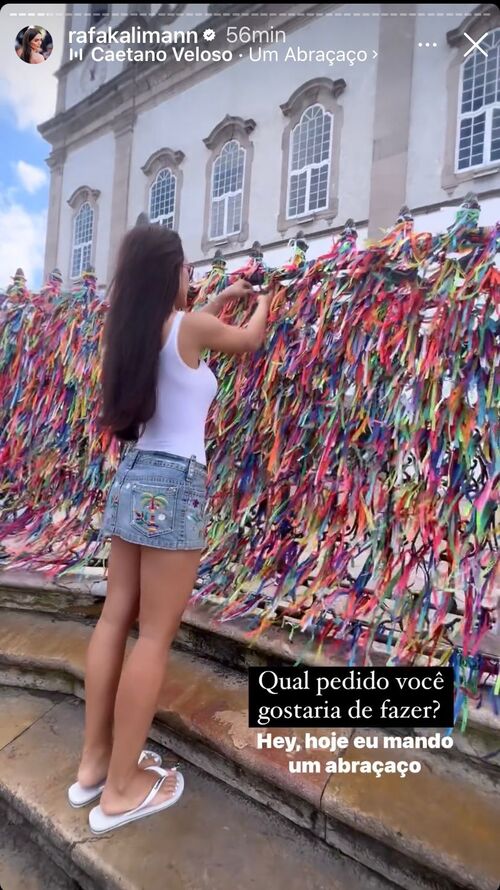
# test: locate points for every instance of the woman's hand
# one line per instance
(240, 290)
(266, 294)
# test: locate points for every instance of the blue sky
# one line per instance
(22, 145)
(27, 98)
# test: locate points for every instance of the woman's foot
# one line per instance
(113, 802)
(94, 769)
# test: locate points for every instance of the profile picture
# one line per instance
(33, 44)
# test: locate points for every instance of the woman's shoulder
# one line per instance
(36, 58)
(194, 320)
(189, 318)
(194, 325)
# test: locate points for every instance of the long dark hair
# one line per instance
(28, 37)
(142, 295)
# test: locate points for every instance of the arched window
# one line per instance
(479, 106)
(310, 152)
(83, 227)
(227, 190)
(162, 198)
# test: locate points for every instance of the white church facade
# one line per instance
(232, 151)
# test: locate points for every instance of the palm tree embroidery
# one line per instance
(147, 517)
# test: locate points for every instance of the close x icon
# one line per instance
(475, 44)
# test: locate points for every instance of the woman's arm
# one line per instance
(210, 333)
(215, 305)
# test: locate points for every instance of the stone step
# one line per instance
(476, 751)
(435, 829)
(212, 839)
(23, 865)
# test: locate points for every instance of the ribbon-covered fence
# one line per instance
(353, 461)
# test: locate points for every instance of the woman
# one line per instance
(30, 50)
(156, 395)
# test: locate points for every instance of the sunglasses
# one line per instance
(190, 270)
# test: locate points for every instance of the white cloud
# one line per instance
(29, 90)
(22, 240)
(32, 178)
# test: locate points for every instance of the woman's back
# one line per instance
(184, 396)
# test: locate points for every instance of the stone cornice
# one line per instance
(56, 158)
(311, 90)
(165, 156)
(480, 17)
(82, 194)
(227, 128)
(124, 122)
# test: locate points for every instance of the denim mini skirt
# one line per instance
(157, 500)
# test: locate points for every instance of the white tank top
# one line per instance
(183, 399)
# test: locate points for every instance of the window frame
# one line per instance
(83, 195)
(163, 159)
(480, 178)
(74, 276)
(229, 129)
(325, 92)
(308, 169)
(161, 217)
(487, 110)
(227, 195)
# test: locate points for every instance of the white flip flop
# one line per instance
(100, 823)
(80, 796)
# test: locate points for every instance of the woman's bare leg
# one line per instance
(104, 659)
(167, 579)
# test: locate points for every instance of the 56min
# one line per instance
(244, 34)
